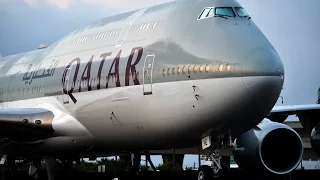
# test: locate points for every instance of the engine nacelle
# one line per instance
(309, 119)
(269, 147)
(315, 139)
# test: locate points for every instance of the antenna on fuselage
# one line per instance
(155, 3)
(41, 46)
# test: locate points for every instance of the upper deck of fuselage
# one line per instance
(173, 27)
(153, 23)
(147, 25)
(184, 45)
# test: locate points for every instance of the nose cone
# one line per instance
(263, 71)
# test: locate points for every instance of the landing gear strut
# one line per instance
(34, 167)
(213, 155)
(51, 167)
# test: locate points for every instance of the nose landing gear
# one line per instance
(205, 173)
(214, 170)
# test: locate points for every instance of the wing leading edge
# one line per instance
(293, 109)
(309, 114)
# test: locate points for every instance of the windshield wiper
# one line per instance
(220, 15)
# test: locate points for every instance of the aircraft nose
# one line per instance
(263, 71)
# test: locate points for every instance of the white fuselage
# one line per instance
(149, 79)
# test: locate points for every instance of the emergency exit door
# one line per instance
(127, 26)
(147, 74)
(66, 86)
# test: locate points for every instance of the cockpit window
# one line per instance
(241, 12)
(224, 11)
(211, 12)
(204, 13)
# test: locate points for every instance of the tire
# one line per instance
(205, 173)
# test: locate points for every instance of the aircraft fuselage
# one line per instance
(154, 78)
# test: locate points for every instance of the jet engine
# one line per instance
(315, 139)
(309, 119)
(269, 147)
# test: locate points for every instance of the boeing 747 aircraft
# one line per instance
(174, 75)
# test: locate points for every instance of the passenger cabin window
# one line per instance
(224, 11)
(154, 24)
(241, 12)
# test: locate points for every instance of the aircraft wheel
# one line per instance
(205, 173)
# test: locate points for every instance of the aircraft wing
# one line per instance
(293, 109)
(25, 124)
(38, 123)
(309, 114)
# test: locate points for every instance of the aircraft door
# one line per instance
(124, 31)
(11, 92)
(147, 74)
(127, 26)
(66, 86)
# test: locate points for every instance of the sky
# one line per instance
(292, 26)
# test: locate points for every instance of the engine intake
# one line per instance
(270, 147)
